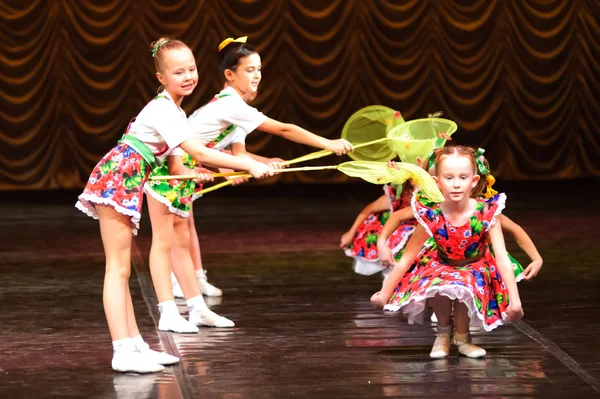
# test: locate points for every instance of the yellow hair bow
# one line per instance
(225, 42)
(490, 192)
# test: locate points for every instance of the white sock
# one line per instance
(444, 330)
(168, 307)
(138, 340)
(200, 274)
(123, 345)
(196, 304)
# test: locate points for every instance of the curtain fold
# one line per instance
(520, 77)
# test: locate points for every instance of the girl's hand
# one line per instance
(275, 163)
(339, 146)
(533, 269)
(385, 254)
(260, 171)
(347, 238)
(235, 181)
(377, 300)
(203, 175)
(514, 312)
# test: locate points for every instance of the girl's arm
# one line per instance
(385, 253)
(515, 309)
(177, 167)
(298, 135)
(526, 244)
(379, 205)
(266, 160)
(218, 159)
(239, 150)
(412, 250)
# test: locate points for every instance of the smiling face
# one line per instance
(247, 75)
(456, 177)
(178, 73)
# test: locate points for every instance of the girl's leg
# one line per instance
(162, 241)
(205, 287)
(116, 235)
(183, 267)
(194, 242)
(442, 306)
(200, 315)
(462, 338)
(194, 249)
(160, 268)
(116, 238)
(140, 344)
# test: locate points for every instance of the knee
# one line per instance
(118, 270)
(162, 244)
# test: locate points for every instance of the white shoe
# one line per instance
(464, 345)
(210, 319)
(207, 288)
(156, 357)
(441, 346)
(134, 362)
(177, 324)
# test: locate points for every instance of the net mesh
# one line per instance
(368, 124)
(414, 140)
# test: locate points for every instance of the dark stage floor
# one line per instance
(305, 327)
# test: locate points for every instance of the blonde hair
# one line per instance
(159, 48)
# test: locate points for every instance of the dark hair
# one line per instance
(230, 55)
(482, 185)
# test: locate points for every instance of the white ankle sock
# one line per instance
(196, 304)
(200, 274)
(168, 307)
(138, 340)
(123, 345)
(444, 330)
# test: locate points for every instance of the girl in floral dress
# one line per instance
(360, 241)
(113, 194)
(224, 122)
(483, 190)
(461, 276)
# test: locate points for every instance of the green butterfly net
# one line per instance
(368, 124)
(379, 173)
(414, 140)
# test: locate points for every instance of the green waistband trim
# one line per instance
(141, 148)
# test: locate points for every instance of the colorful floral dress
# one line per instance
(117, 181)
(477, 284)
(364, 246)
(177, 195)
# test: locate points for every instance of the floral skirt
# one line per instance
(174, 194)
(117, 181)
(478, 285)
(364, 247)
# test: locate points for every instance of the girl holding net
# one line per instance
(224, 122)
